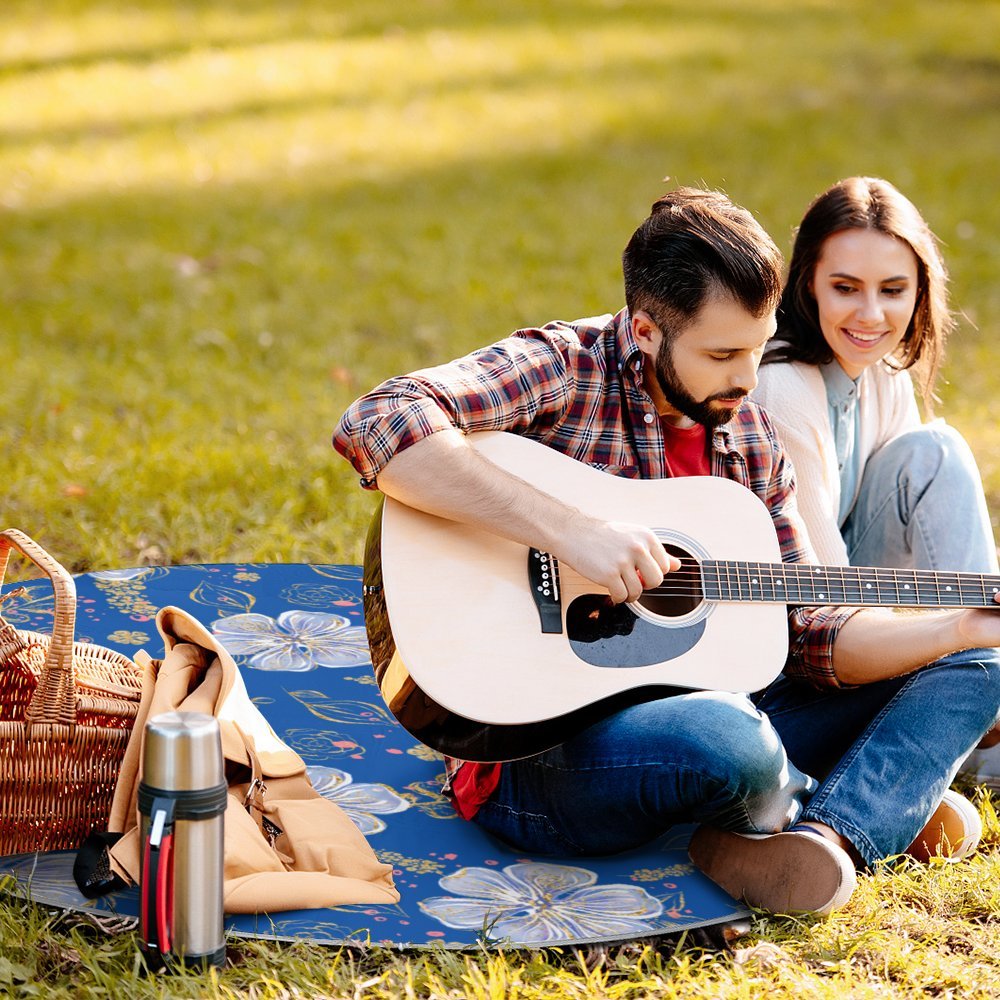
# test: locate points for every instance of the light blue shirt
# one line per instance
(842, 402)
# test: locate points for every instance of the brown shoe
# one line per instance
(953, 832)
(789, 872)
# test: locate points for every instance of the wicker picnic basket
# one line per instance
(66, 712)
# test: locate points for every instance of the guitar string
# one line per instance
(848, 584)
(810, 571)
(688, 581)
(806, 573)
(834, 599)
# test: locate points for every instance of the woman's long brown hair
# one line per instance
(866, 203)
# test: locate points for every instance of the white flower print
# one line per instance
(363, 803)
(121, 575)
(296, 641)
(541, 903)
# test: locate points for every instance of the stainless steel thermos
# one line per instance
(182, 801)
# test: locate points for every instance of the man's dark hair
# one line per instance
(694, 244)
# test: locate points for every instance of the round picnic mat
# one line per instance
(297, 633)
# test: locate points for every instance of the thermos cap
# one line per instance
(182, 752)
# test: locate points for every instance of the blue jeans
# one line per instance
(872, 762)
(708, 757)
(886, 752)
(921, 506)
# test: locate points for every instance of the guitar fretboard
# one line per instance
(800, 583)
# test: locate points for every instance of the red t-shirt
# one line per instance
(686, 450)
(686, 455)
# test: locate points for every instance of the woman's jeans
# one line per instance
(884, 753)
(920, 505)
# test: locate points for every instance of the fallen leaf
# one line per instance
(765, 954)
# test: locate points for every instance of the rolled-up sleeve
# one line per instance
(518, 383)
(812, 632)
(386, 421)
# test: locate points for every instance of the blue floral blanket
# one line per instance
(297, 633)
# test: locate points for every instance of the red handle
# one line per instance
(156, 891)
(165, 894)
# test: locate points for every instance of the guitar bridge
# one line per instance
(543, 578)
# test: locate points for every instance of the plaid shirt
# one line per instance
(577, 387)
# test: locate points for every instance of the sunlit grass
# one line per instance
(912, 932)
(221, 221)
(220, 224)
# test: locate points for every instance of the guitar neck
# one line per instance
(801, 583)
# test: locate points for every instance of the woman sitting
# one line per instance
(865, 304)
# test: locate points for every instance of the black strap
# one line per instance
(197, 803)
(92, 866)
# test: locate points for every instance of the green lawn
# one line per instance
(221, 221)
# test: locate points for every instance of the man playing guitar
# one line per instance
(839, 763)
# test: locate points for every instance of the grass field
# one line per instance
(221, 221)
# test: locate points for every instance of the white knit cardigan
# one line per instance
(794, 395)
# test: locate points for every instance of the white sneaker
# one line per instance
(788, 872)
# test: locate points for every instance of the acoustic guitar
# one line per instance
(488, 650)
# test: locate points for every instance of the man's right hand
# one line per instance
(624, 558)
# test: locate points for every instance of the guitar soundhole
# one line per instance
(680, 593)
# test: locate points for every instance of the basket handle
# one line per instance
(54, 700)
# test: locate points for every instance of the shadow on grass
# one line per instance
(250, 23)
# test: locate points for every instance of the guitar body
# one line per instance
(457, 626)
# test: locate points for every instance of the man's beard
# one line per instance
(680, 399)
